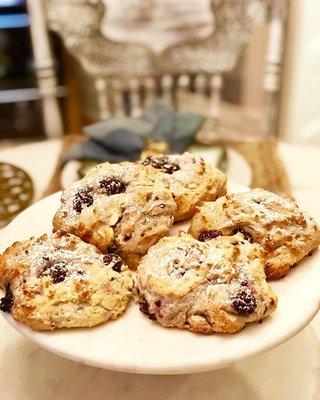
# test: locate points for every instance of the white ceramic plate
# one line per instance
(133, 343)
(237, 171)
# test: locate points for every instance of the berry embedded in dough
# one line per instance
(286, 233)
(58, 281)
(192, 181)
(126, 206)
(213, 286)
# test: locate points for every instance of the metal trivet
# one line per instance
(16, 192)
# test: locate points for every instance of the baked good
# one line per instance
(206, 287)
(58, 281)
(126, 205)
(191, 180)
(285, 232)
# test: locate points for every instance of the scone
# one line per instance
(127, 206)
(206, 287)
(285, 232)
(58, 281)
(191, 180)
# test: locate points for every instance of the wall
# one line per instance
(300, 105)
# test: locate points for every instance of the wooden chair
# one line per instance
(128, 77)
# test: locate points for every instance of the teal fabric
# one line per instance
(123, 138)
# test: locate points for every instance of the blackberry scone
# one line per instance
(206, 287)
(286, 233)
(127, 206)
(58, 281)
(192, 181)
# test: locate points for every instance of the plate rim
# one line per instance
(153, 370)
(199, 366)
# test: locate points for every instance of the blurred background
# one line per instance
(296, 48)
(249, 69)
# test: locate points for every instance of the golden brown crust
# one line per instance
(206, 287)
(192, 183)
(285, 232)
(131, 220)
(58, 281)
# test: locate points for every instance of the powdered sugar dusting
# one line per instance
(266, 206)
(225, 273)
(125, 172)
(55, 250)
(126, 197)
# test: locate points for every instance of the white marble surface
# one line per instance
(290, 371)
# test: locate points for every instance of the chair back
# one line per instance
(115, 43)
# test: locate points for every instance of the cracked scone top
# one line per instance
(126, 205)
(58, 281)
(285, 232)
(192, 181)
(206, 287)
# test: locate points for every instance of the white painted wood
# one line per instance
(274, 58)
(117, 98)
(183, 86)
(184, 82)
(215, 97)
(166, 88)
(103, 101)
(200, 84)
(45, 69)
(134, 97)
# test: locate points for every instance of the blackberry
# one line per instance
(244, 303)
(82, 198)
(57, 272)
(111, 257)
(113, 186)
(144, 307)
(208, 235)
(162, 163)
(158, 303)
(6, 303)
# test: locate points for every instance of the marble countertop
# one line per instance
(290, 371)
